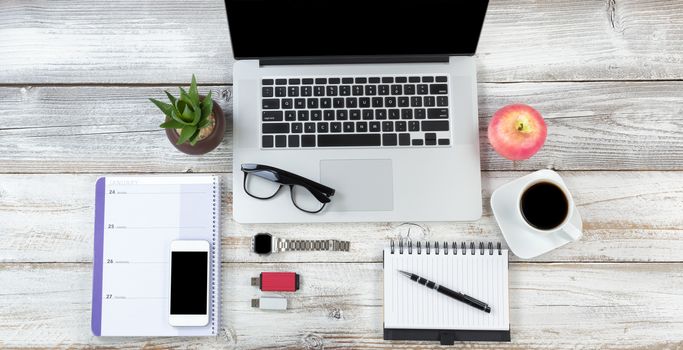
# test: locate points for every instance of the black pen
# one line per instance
(453, 294)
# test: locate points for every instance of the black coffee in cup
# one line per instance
(544, 206)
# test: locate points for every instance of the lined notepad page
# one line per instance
(409, 305)
(142, 216)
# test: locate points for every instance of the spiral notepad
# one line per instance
(136, 218)
(414, 312)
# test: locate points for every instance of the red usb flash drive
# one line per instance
(277, 281)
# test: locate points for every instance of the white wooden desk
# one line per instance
(75, 76)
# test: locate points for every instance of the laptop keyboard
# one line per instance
(373, 111)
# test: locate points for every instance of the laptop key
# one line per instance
(383, 89)
(307, 81)
(297, 128)
(293, 91)
(308, 141)
(394, 114)
(404, 139)
(271, 103)
(319, 90)
(401, 126)
(275, 128)
(375, 127)
(429, 101)
(361, 80)
(361, 126)
(267, 141)
(420, 113)
(409, 89)
(388, 126)
(427, 79)
(380, 114)
(444, 142)
(368, 114)
(294, 81)
(272, 116)
(306, 91)
(338, 102)
(374, 80)
(403, 102)
(417, 142)
(299, 103)
(340, 140)
(430, 139)
(321, 80)
(345, 90)
(414, 79)
(334, 80)
(364, 102)
(280, 141)
(280, 81)
(437, 113)
(328, 115)
(441, 125)
(401, 79)
(349, 127)
(347, 81)
(357, 90)
(293, 140)
(389, 139)
(280, 91)
(442, 101)
(377, 102)
(370, 90)
(323, 127)
(416, 101)
(309, 128)
(354, 114)
(325, 102)
(312, 102)
(390, 101)
(267, 91)
(342, 114)
(302, 116)
(316, 114)
(351, 102)
(422, 89)
(336, 127)
(287, 103)
(413, 125)
(397, 89)
(267, 82)
(290, 116)
(438, 89)
(441, 79)
(406, 113)
(332, 90)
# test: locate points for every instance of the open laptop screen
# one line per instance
(312, 28)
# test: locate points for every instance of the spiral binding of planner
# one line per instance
(413, 312)
(444, 249)
(216, 261)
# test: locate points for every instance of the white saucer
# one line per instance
(525, 243)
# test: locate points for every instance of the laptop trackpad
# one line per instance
(360, 185)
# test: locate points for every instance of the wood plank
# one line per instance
(44, 129)
(556, 306)
(628, 216)
(136, 41)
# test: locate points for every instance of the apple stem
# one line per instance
(522, 125)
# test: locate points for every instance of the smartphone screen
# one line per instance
(188, 283)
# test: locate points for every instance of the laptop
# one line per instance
(375, 99)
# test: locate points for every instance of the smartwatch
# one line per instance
(265, 243)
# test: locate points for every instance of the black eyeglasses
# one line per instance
(264, 182)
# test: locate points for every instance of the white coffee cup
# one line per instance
(565, 227)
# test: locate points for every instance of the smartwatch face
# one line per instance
(263, 244)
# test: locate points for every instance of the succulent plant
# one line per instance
(188, 113)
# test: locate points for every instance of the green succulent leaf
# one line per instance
(186, 133)
(207, 106)
(194, 138)
(164, 107)
(177, 116)
(188, 115)
(171, 98)
(204, 123)
(194, 94)
(172, 124)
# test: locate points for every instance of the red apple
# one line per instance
(517, 131)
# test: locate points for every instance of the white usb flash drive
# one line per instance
(270, 303)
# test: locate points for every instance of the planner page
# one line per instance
(409, 305)
(141, 216)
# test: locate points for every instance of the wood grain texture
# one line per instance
(628, 216)
(591, 126)
(555, 306)
(144, 41)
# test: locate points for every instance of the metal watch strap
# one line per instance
(286, 245)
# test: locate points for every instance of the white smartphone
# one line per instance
(189, 292)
